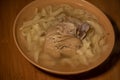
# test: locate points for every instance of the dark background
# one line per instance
(13, 66)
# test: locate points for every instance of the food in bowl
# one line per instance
(61, 35)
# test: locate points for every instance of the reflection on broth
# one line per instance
(63, 35)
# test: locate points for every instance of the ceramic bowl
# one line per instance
(28, 11)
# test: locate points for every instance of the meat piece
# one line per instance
(61, 47)
(60, 41)
(66, 28)
(82, 30)
(50, 46)
(70, 46)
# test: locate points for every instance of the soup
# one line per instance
(62, 35)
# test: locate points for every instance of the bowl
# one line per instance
(28, 11)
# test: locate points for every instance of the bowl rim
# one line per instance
(53, 71)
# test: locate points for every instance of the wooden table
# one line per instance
(13, 66)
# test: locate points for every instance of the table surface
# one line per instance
(13, 66)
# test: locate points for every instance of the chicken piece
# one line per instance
(50, 46)
(61, 47)
(70, 46)
(82, 30)
(60, 41)
(66, 28)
